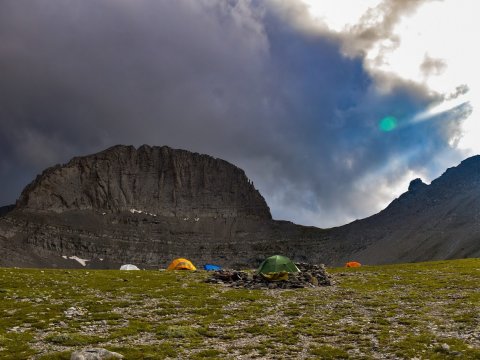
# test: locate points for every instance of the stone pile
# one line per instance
(319, 272)
(310, 276)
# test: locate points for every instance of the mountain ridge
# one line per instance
(151, 204)
(436, 221)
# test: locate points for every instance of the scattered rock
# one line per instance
(72, 312)
(310, 276)
(16, 329)
(95, 354)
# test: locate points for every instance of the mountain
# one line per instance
(152, 204)
(143, 206)
(151, 180)
(428, 222)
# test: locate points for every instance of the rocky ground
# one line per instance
(422, 311)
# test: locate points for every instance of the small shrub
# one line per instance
(72, 339)
(329, 352)
(209, 354)
(178, 331)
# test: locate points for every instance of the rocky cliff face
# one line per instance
(155, 180)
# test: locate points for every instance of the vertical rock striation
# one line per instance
(156, 180)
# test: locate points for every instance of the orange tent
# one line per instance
(181, 264)
(353, 264)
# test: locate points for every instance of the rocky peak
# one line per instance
(155, 180)
(416, 185)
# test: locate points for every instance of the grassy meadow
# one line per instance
(423, 311)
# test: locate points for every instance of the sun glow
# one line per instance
(388, 123)
(441, 108)
(436, 48)
(444, 32)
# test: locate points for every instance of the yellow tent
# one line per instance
(181, 264)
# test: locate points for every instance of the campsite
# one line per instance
(370, 312)
(239, 179)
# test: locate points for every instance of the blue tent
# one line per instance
(211, 267)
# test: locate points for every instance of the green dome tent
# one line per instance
(276, 264)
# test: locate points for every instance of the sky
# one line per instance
(330, 106)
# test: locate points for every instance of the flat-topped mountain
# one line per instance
(155, 180)
(151, 204)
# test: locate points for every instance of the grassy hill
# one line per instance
(424, 310)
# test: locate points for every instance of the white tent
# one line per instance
(129, 267)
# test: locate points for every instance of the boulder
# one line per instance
(95, 354)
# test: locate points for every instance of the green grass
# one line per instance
(424, 310)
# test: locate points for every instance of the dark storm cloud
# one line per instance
(235, 79)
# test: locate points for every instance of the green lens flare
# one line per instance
(388, 123)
